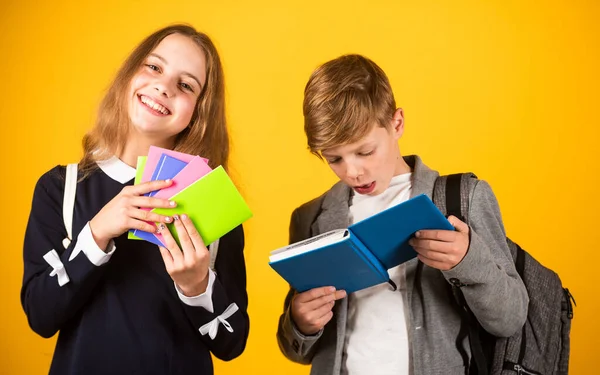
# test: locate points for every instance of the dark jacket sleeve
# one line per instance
(229, 287)
(48, 305)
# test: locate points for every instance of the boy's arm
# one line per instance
(292, 343)
(492, 287)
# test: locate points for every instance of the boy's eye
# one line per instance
(366, 153)
(333, 161)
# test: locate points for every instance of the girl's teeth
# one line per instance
(155, 106)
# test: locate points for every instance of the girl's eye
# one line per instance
(187, 87)
(366, 153)
(153, 67)
(334, 161)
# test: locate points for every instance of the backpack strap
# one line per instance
(69, 202)
(451, 195)
(213, 249)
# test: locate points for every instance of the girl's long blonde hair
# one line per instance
(206, 135)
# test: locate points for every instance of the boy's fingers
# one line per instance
(458, 224)
(315, 293)
(429, 245)
(434, 234)
(320, 312)
(339, 294)
(433, 255)
(320, 323)
(316, 304)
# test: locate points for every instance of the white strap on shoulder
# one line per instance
(69, 202)
(213, 249)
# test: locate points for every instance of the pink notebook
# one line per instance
(154, 154)
(195, 169)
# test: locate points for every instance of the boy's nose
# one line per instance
(353, 170)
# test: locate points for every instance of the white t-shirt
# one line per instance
(376, 341)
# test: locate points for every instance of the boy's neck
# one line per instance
(401, 166)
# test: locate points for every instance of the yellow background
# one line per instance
(506, 89)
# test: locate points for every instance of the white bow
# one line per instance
(58, 268)
(212, 326)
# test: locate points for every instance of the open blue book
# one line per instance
(358, 257)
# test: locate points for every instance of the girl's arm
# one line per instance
(223, 322)
(47, 304)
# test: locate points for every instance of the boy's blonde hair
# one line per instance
(343, 99)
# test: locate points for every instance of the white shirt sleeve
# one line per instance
(87, 245)
(202, 300)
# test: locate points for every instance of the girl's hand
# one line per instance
(123, 212)
(188, 265)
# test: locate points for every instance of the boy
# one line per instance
(352, 122)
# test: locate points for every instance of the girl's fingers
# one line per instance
(148, 187)
(184, 239)
(167, 257)
(193, 233)
(141, 225)
(172, 246)
(151, 202)
(148, 216)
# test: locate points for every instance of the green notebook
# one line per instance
(213, 203)
(139, 170)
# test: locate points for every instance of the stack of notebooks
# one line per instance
(207, 196)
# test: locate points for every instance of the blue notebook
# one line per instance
(166, 168)
(358, 257)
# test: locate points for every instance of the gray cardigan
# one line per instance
(493, 290)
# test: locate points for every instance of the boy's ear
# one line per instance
(398, 123)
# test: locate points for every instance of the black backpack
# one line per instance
(542, 346)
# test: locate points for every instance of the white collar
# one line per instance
(116, 169)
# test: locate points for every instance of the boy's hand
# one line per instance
(442, 249)
(311, 310)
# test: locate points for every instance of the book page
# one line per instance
(309, 244)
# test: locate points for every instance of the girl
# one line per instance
(125, 307)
